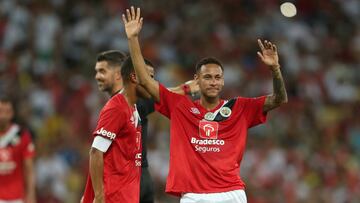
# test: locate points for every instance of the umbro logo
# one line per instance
(194, 110)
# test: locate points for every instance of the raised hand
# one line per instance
(269, 54)
(132, 22)
(194, 87)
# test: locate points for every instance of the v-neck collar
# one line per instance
(118, 92)
(203, 109)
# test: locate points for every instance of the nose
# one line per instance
(97, 76)
(213, 82)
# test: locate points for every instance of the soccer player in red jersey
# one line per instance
(17, 179)
(115, 155)
(208, 136)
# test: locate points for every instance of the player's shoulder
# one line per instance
(165, 91)
(250, 101)
(115, 105)
(24, 131)
(116, 101)
(19, 129)
(19, 132)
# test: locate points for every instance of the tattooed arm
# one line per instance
(270, 57)
(279, 95)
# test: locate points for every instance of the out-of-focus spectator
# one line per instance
(17, 173)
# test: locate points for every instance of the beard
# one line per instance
(3, 124)
(104, 88)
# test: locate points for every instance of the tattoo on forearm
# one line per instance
(279, 87)
(279, 95)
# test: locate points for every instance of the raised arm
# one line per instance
(270, 57)
(188, 88)
(133, 24)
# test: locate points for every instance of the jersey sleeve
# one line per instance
(168, 101)
(145, 107)
(101, 143)
(28, 145)
(111, 120)
(252, 109)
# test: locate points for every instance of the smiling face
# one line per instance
(6, 114)
(107, 77)
(210, 79)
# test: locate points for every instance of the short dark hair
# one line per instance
(112, 57)
(6, 99)
(208, 60)
(127, 68)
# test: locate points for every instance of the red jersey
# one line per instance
(15, 146)
(205, 154)
(122, 161)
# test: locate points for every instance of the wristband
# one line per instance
(186, 89)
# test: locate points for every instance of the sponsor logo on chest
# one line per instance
(208, 142)
(208, 129)
(7, 164)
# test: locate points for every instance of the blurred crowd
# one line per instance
(309, 150)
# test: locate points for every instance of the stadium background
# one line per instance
(309, 151)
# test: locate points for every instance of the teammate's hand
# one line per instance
(194, 87)
(132, 22)
(269, 54)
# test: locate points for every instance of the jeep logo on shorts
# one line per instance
(208, 129)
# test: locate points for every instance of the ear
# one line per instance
(133, 78)
(118, 75)
(196, 78)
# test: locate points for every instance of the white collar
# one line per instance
(9, 135)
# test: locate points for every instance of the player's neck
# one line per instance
(4, 128)
(116, 89)
(209, 103)
(130, 94)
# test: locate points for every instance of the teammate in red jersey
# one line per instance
(17, 179)
(115, 155)
(207, 136)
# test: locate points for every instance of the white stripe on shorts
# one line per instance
(235, 196)
(11, 201)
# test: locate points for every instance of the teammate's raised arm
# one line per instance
(270, 57)
(188, 88)
(133, 23)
